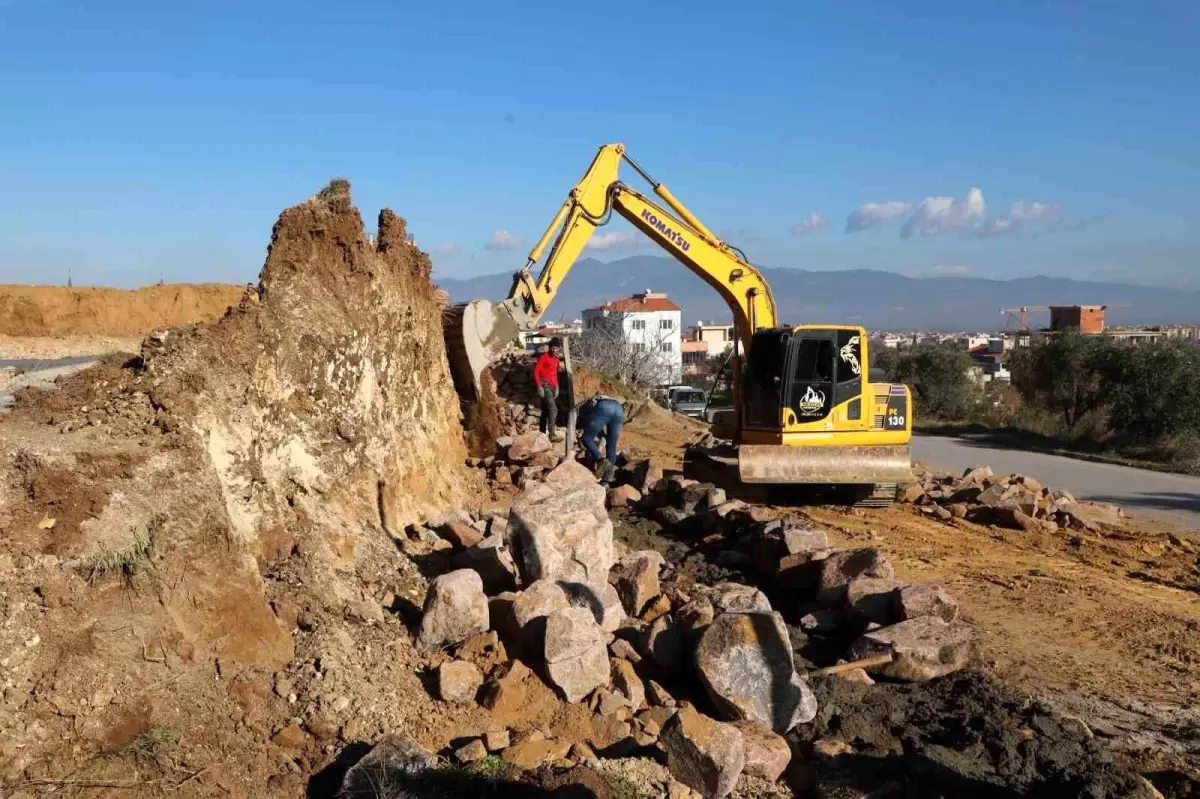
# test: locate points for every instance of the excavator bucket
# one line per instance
(476, 333)
(836, 465)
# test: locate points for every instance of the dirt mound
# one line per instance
(202, 555)
(63, 311)
(963, 735)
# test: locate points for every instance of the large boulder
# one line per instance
(460, 535)
(394, 760)
(767, 754)
(663, 643)
(560, 529)
(644, 474)
(745, 662)
(538, 600)
(799, 538)
(458, 681)
(922, 648)
(623, 496)
(636, 579)
(840, 567)
(576, 653)
(875, 599)
(926, 599)
(494, 563)
(600, 599)
(527, 445)
(455, 609)
(520, 616)
(705, 755)
(735, 598)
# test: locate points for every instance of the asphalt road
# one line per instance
(1171, 497)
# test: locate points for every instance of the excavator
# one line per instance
(805, 409)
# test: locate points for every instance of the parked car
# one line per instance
(688, 401)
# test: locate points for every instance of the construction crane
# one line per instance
(1023, 314)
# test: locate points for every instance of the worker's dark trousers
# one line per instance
(549, 400)
(607, 416)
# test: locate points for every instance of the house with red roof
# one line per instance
(646, 324)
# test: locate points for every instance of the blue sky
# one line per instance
(142, 140)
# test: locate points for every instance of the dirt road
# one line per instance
(1158, 495)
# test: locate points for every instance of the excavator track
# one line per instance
(882, 495)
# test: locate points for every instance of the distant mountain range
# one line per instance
(874, 299)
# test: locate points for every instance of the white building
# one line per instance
(717, 339)
(648, 323)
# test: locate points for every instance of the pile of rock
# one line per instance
(513, 375)
(520, 459)
(607, 631)
(836, 594)
(1014, 501)
(542, 592)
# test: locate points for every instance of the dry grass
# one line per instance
(128, 562)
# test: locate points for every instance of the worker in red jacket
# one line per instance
(545, 380)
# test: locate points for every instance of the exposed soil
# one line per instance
(964, 735)
(202, 595)
(195, 549)
(1104, 624)
(63, 311)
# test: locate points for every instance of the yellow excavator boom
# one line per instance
(486, 327)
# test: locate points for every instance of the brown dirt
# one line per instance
(1091, 620)
(89, 310)
(1115, 612)
(192, 530)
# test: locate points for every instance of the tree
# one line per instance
(1064, 374)
(1153, 390)
(604, 349)
(940, 376)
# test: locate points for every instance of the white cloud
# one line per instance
(869, 215)
(448, 248)
(1031, 211)
(810, 224)
(1033, 218)
(503, 240)
(612, 240)
(937, 215)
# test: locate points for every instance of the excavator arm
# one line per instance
(486, 328)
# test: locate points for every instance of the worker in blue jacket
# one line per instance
(596, 415)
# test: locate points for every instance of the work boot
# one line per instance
(601, 468)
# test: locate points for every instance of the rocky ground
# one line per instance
(260, 558)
